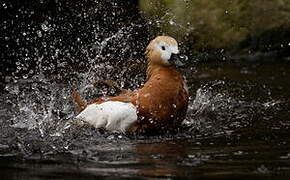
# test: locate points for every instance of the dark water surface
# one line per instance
(237, 127)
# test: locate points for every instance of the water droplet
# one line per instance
(184, 57)
(111, 137)
(262, 169)
(120, 136)
(285, 157)
(4, 6)
(57, 134)
(25, 76)
(44, 26)
(171, 22)
(39, 34)
(238, 153)
(44, 44)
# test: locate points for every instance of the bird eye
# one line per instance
(163, 48)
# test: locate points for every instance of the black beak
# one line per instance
(178, 60)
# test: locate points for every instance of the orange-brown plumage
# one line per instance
(163, 100)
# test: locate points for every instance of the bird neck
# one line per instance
(154, 68)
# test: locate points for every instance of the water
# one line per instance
(237, 125)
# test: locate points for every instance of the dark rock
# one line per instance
(269, 45)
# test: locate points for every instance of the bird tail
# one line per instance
(81, 105)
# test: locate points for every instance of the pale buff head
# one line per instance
(160, 50)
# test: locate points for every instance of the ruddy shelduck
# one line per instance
(161, 104)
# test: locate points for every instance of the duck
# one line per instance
(161, 104)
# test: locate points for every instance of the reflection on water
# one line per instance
(237, 126)
(170, 159)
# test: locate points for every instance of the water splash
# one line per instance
(216, 110)
(36, 102)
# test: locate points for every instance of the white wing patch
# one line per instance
(111, 115)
